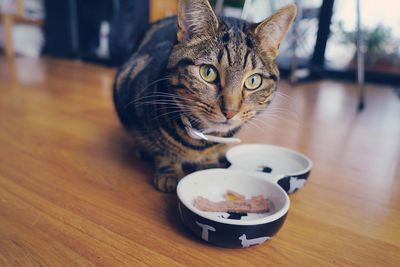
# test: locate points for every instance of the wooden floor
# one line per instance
(71, 192)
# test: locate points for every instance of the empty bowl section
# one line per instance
(268, 158)
(289, 168)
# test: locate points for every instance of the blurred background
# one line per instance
(322, 42)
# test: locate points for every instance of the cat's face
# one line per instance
(224, 71)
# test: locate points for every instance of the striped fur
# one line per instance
(161, 82)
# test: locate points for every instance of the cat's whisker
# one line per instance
(284, 112)
(164, 94)
(286, 97)
(282, 115)
(160, 96)
(256, 121)
(178, 111)
(161, 100)
(261, 125)
(197, 122)
(252, 123)
(165, 78)
(267, 117)
(290, 114)
(282, 109)
(276, 118)
(270, 116)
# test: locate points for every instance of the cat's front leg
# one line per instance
(215, 160)
(168, 173)
(211, 161)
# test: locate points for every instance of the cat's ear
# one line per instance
(195, 19)
(271, 31)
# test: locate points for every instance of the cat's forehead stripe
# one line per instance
(245, 58)
(238, 46)
(228, 54)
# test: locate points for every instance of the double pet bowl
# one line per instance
(256, 169)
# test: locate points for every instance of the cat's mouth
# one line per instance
(221, 126)
(203, 134)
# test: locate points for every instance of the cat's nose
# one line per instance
(229, 113)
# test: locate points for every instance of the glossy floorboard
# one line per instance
(71, 192)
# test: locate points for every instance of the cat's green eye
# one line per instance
(253, 82)
(208, 73)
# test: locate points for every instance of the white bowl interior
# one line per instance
(280, 161)
(213, 184)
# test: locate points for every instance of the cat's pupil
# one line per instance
(253, 82)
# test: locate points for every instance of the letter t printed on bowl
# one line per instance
(205, 228)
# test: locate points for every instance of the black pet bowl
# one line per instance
(265, 170)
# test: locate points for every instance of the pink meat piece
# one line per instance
(256, 204)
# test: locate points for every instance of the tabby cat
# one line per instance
(214, 72)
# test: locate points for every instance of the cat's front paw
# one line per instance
(167, 174)
(165, 181)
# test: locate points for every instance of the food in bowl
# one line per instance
(236, 203)
(232, 195)
(220, 228)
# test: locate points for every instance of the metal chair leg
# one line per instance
(219, 6)
(360, 61)
(245, 9)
